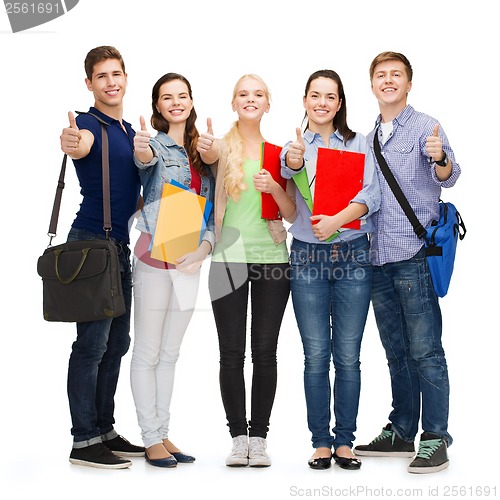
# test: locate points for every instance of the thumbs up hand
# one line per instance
(71, 136)
(207, 145)
(296, 150)
(142, 148)
(434, 145)
(141, 138)
(206, 140)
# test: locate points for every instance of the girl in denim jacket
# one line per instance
(165, 292)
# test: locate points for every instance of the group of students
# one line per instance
(332, 281)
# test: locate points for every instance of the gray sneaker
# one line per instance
(239, 454)
(257, 455)
(432, 455)
(386, 444)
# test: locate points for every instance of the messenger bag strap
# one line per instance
(105, 187)
(420, 230)
(57, 201)
(106, 202)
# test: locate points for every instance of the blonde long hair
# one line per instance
(233, 178)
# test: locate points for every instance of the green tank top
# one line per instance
(245, 237)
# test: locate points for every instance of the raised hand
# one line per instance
(434, 145)
(206, 140)
(71, 136)
(296, 150)
(141, 138)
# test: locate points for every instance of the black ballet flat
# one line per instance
(182, 458)
(347, 463)
(320, 463)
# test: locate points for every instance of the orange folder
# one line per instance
(270, 161)
(339, 178)
(181, 220)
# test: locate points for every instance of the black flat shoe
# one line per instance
(320, 463)
(347, 463)
(167, 462)
(182, 458)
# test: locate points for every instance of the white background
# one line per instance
(453, 47)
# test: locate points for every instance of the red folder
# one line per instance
(339, 178)
(270, 161)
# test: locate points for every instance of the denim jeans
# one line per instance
(94, 363)
(269, 287)
(409, 322)
(330, 286)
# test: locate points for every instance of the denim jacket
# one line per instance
(170, 161)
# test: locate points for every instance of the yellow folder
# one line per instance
(181, 220)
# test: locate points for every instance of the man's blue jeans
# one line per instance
(330, 286)
(409, 322)
(94, 364)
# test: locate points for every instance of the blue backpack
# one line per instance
(441, 244)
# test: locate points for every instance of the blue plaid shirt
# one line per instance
(394, 239)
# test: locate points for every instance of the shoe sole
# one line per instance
(258, 464)
(96, 465)
(237, 464)
(427, 470)
(172, 465)
(401, 454)
(128, 453)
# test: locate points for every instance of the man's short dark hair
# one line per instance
(101, 54)
(392, 56)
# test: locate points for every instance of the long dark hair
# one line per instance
(340, 119)
(191, 133)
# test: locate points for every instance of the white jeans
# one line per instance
(164, 301)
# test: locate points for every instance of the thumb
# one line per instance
(210, 130)
(436, 130)
(143, 124)
(72, 121)
(299, 135)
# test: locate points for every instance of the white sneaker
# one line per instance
(257, 454)
(239, 454)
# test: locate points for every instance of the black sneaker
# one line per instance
(386, 444)
(123, 448)
(98, 455)
(432, 455)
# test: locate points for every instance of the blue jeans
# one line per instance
(409, 322)
(95, 361)
(330, 285)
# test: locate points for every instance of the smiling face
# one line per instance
(174, 102)
(108, 84)
(390, 84)
(321, 103)
(250, 99)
